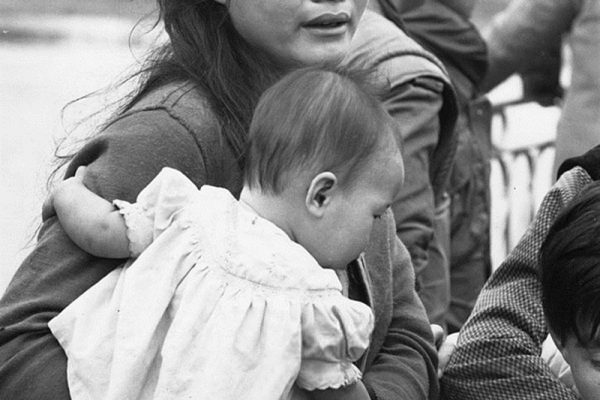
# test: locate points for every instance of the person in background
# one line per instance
(527, 38)
(191, 111)
(500, 350)
(422, 99)
(444, 28)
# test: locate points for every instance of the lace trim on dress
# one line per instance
(139, 226)
(319, 375)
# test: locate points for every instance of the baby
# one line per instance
(228, 299)
(570, 274)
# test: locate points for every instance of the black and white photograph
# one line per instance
(300, 199)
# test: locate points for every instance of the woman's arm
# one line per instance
(416, 107)
(523, 33)
(90, 221)
(133, 150)
(405, 364)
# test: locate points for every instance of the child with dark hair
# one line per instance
(233, 299)
(570, 277)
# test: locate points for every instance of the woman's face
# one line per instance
(297, 32)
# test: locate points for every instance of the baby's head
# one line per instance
(570, 275)
(323, 154)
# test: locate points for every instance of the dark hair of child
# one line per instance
(315, 119)
(570, 270)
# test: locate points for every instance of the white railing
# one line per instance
(521, 169)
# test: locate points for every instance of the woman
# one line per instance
(191, 113)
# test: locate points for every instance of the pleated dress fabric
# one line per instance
(216, 303)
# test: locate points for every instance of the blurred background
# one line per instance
(55, 51)
(52, 52)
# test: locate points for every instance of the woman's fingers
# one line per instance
(445, 351)
(438, 335)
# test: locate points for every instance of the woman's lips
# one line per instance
(329, 23)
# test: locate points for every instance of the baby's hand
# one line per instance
(48, 210)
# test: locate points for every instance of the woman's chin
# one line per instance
(316, 56)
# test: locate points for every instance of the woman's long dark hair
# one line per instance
(204, 48)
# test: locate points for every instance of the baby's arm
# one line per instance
(90, 221)
(336, 332)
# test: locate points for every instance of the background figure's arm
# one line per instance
(524, 33)
(90, 221)
(498, 351)
(416, 107)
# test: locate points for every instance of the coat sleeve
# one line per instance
(406, 363)
(133, 150)
(416, 107)
(524, 32)
(498, 354)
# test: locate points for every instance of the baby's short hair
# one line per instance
(315, 119)
(570, 270)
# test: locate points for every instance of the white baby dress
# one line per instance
(219, 304)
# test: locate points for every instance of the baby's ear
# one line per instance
(320, 192)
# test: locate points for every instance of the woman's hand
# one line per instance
(445, 352)
(439, 335)
(445, 346)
